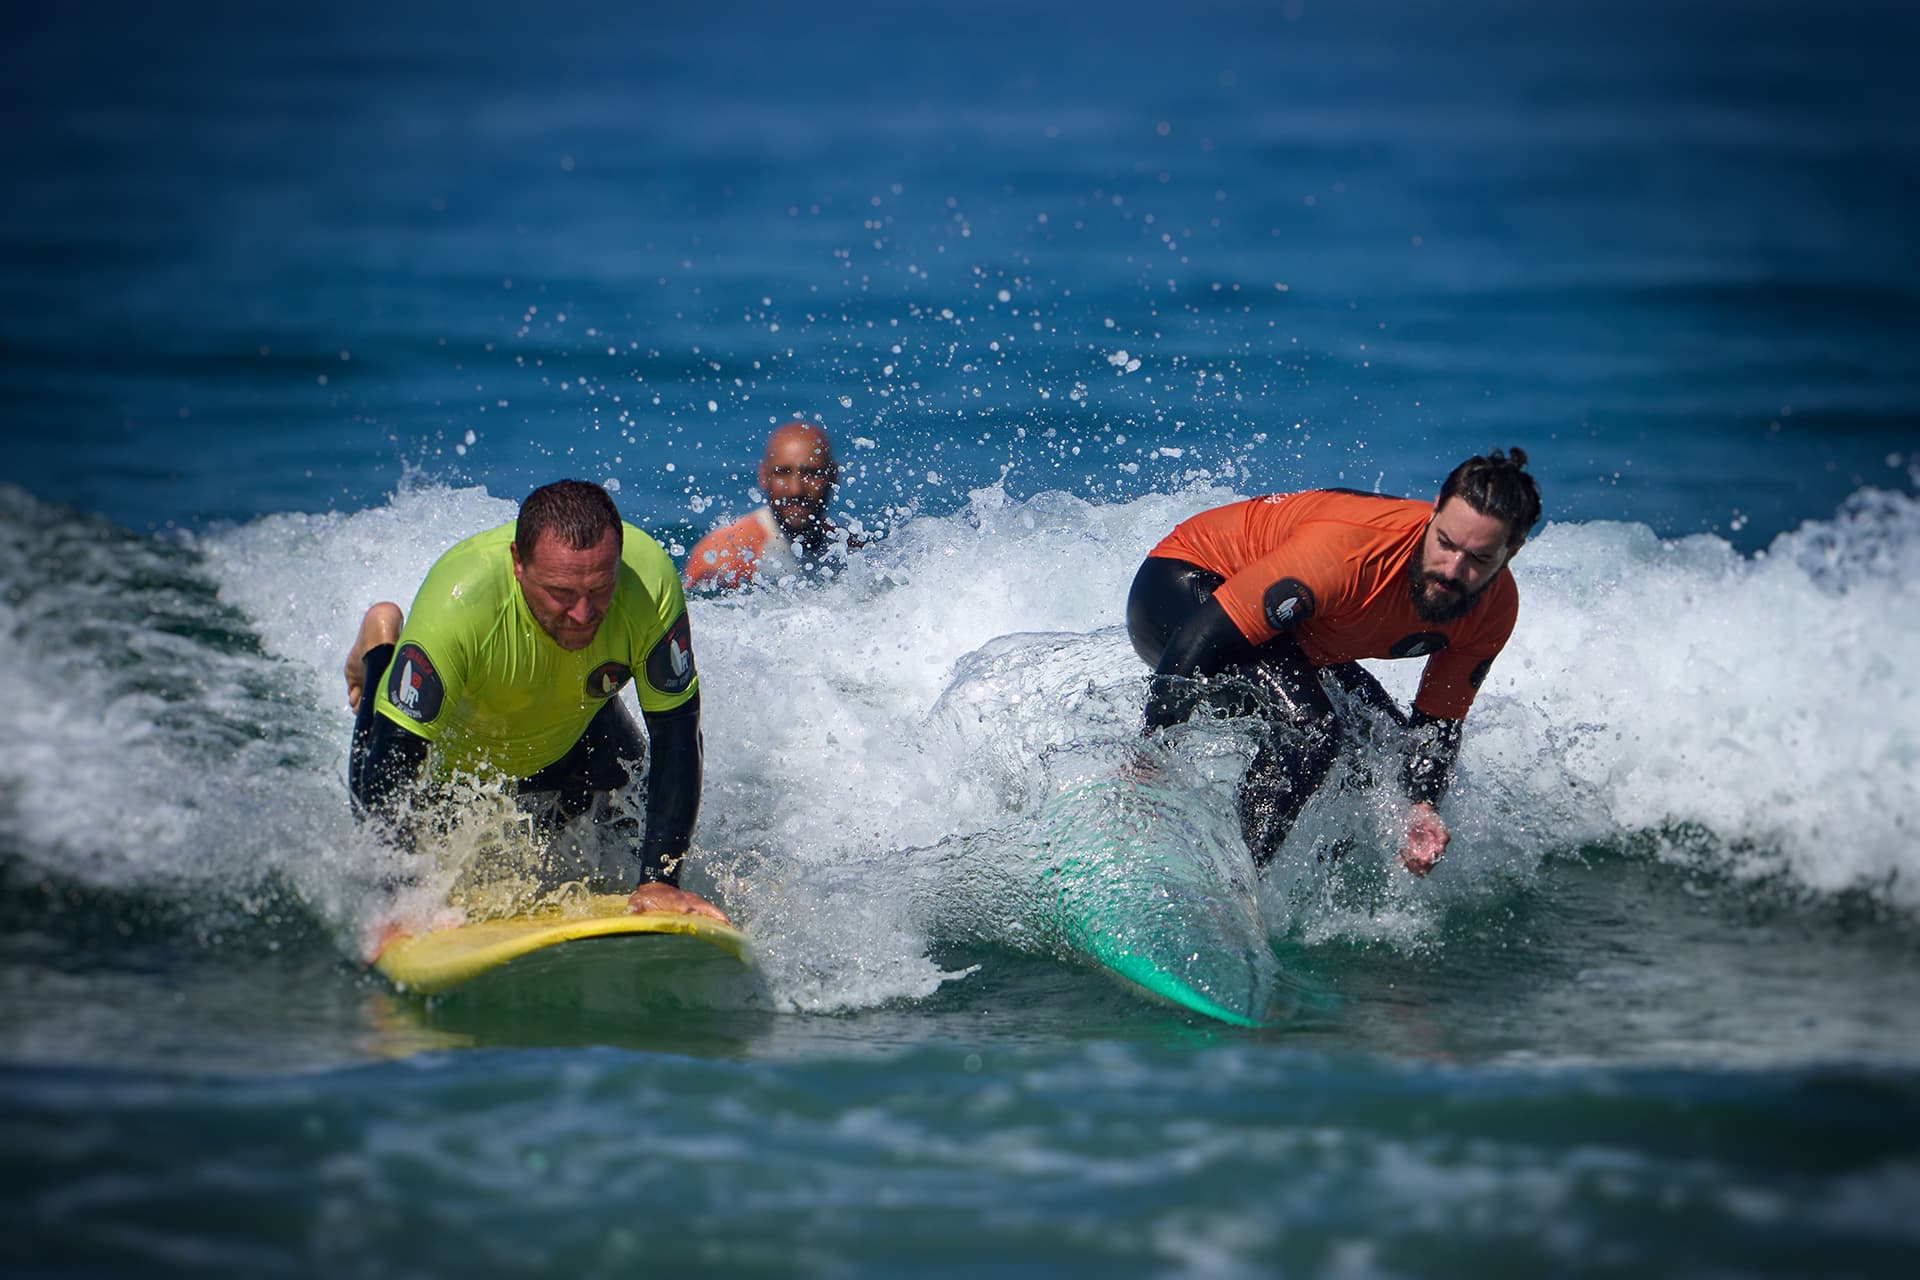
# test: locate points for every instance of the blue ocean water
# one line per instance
(293, 300)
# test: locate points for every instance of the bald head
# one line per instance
(797, 475)
(798, 444)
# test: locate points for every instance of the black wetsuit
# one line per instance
(1182, 632)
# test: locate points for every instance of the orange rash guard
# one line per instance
(753, 546)
(1329, 566)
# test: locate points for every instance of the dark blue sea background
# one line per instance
(293, 297)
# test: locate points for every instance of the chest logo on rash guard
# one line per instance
(608, 679)
(413, 685)
(1418, 645)
(670, 665)
(1287, 603)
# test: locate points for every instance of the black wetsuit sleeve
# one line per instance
(673, 789)
(1207, 642)
(1433, 746)
(385, 763)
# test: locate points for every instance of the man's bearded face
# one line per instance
(1460, 554)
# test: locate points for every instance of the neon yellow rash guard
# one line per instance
(475, 675)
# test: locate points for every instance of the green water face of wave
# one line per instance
(1149, 899)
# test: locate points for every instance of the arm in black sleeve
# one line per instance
(1206, 642)
(673, 789)
(384, 763)
(1432, 748)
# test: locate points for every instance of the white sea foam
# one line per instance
(1768, 703)
(137, 715)
(1673, 696)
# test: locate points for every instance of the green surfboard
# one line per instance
(1142, 895)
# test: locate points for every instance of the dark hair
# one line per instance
(578, 512)
(1497, 485)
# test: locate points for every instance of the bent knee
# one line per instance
(382, 624)
(1318, 726)
(1311, 743)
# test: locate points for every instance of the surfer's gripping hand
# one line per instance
(1426, 840)
(657, 895)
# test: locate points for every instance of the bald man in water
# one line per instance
(789, 534)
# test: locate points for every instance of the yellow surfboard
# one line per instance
(442, 959)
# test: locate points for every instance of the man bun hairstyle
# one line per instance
(1497, 484)
(578, 512)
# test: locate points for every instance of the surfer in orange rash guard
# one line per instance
(791, 532)
(1286, 590)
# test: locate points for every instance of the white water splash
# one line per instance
(1674, 696)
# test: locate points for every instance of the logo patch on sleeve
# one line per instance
(1286, 603)
(1480, 673)
(413, 685)
(1418, 645)
(670, 665)
(608, 679)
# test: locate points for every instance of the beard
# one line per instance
(796, 516)
(1450, 609)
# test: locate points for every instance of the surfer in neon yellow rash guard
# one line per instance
(511, 661)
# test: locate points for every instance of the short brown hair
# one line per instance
(1497, 485)
(577, 511)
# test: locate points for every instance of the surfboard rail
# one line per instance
(438, 960)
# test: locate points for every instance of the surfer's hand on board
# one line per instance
(657, 895)
(1425, 841)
